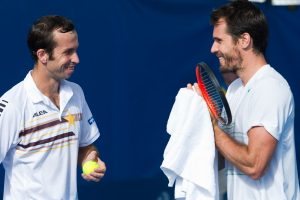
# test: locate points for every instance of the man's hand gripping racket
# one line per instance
(213, 94)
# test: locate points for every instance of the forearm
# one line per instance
(84, 152)
(236, 153)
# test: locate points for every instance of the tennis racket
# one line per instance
(213, 94)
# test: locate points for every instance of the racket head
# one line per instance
(213, 94)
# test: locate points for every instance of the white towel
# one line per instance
(189, 157)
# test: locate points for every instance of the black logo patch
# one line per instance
(39, 113)
(3, 104)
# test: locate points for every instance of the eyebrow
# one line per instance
(217, 39)
(68, 50)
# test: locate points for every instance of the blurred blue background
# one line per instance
(135, 55)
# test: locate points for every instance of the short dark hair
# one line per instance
(40, 35)
(242, 16)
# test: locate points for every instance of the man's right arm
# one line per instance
(252, 159)
(10, 121)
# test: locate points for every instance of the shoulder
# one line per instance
(12, 103)
(272, 82)
(272, 92)
(16, 95)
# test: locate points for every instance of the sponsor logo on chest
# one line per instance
(39, 113)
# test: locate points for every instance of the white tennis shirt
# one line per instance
(39, 142)
(266, 100)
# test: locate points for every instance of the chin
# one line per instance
(223, 68)
(68, 75)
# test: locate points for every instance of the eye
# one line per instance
(69, 51)
(218, 40)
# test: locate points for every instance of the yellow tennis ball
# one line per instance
(89, 167)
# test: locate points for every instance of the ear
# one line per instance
(42, 56)
(245, 41)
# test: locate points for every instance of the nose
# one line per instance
(214, 48)
(75, 58)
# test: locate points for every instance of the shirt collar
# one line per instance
(33, 92)
(65, 92)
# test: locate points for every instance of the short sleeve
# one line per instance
(89, 130)
(10, 120)
(271, 106)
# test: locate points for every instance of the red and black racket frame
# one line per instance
(206, 96)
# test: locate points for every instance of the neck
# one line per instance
(250, 65)
(46, 84)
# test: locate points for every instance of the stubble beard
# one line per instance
(64, 69)
(233, 62)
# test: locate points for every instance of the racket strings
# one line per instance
(214, 95)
